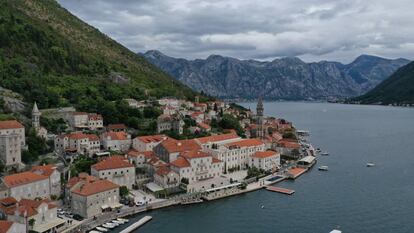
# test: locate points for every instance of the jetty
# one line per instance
(280, 190)
(137, 224)
(294, 173)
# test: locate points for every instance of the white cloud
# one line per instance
(311, 29)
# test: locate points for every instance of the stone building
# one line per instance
(116, 169)
(12, 141)
(89, 196)
(28, 185)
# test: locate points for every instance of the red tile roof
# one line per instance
(164, 170)
(135, 153)
(264, 154)
(11, 124)
(92, 137)
(93, 186)
(77, 136)
(288, 144)
(113, 162)
(46, 170)
(180, 162)
(194, 154)
(173, 145)
(25, 206)
(217, 138)
(5, 226)
(116, 126)
(22, 178)
(246, 143)
(8, 201)
(94, 116)
(152, 138)
(116, 135)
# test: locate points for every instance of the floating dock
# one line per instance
(280, 190)
(294, 173)
(137, 224)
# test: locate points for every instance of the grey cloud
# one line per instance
(311, 29)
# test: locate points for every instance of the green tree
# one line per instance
(123, 191)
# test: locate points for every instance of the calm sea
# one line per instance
(350, 195)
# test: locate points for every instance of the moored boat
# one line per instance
(108, 225)
(122, 220)
(323, 168)
(370, 164)
(101, 229)
(325, 153)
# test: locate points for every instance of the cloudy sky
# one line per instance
(313, 30)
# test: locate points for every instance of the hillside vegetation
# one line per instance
(397, 89)
(52, 57)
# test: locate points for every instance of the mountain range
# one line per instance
(397, 89)
(284, 78)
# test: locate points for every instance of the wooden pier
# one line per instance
(280, 190)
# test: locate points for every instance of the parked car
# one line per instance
(139, 203)
(77, 217)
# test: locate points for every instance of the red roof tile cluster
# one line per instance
(5, 226)
(135, 153)
(217, 138)
(194, 154)
(87, 187)
(24, 206)
(92, 137)
(113, 162)
(164, 170)
(173, 145)
(11, 124)
(180, 162)
(115, 135)
(22, 178)
(291, 144)
(246, 143)
(264, 154)
(46, 170)
(94, 117)
(152, 138)
(116, 127)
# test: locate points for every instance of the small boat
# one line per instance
(336, 231)
(93, 231)
(323, 168)
(370, 164)
(117, 222)
(108, 225)
(325, 153)
(122, 220)
(262, 207)
(101, 229)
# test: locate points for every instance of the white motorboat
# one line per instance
(101, 229)
(325, 153)
(122, 220)
(109, 225)
(336, 231)
(370, 164)
(323, 168)
(116, 222)
(93, 231)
